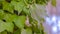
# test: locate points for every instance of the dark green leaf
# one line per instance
(17, 31)
(4, 32)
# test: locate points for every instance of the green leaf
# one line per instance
(1, 14)
(9, 26)
(8, 7)
(42, 2)
(19, 21)
(26, 10)
(2, 26)
(23, 31)
(53, 2)
(8, 17)
(4, 32)
(18, 5)
(35, 29)
(17, 31)
(28, 31)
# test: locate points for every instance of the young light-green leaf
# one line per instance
(2, 26)
(19, 21)
(9, 26)
(1, 14)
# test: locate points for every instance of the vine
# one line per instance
(14, 14)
